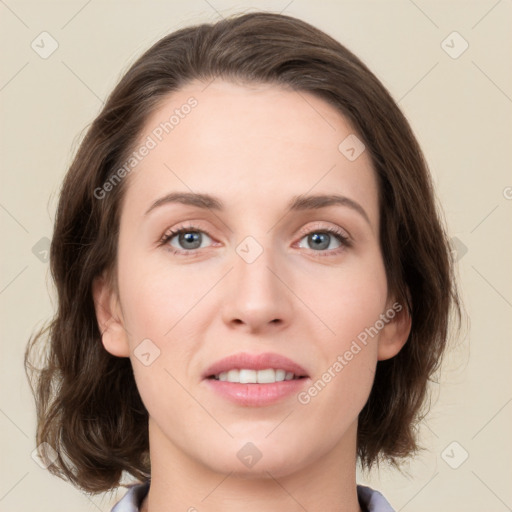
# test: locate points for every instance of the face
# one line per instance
(256, 271)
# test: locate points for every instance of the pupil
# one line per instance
(320, 240)
(191, 237)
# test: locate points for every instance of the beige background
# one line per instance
(460, 109)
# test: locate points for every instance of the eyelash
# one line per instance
(338, 234)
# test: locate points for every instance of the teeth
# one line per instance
(280, 375)
(245, 376)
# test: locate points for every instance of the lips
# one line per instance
(246, 361)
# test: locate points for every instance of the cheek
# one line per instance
(163, 329)
(348, 298)
(343, 381)
(336, 397)
(349, 304)
(155, 294)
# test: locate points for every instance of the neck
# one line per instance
(180, 482)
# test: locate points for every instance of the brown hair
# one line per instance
(88, 406)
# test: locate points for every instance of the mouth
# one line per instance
(255, 380)
(249, 376)
(246, 368)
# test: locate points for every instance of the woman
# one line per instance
(254, 282)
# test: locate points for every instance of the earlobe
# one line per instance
(109, 318)
(394, 335)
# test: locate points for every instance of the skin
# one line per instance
(255, 147)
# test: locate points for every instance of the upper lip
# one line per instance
(244, 360)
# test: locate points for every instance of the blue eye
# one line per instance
(187, 240)
(321, 240)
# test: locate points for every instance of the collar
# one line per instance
(369, 499)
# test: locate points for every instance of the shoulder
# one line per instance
(372, 500)
(132, 500)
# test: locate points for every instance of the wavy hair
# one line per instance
(88, 406)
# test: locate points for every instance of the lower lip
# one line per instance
(257, 395)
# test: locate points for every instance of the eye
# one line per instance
(322, 239)
(184, 240)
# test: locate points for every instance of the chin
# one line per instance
(255, 460)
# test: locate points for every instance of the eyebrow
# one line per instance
(298, 203)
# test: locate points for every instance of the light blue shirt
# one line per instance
(370, 500)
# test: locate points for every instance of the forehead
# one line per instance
(256, 145)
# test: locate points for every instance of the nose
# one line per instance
(257, 298)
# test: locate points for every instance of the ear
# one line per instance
(396, 331)
(109, 317)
